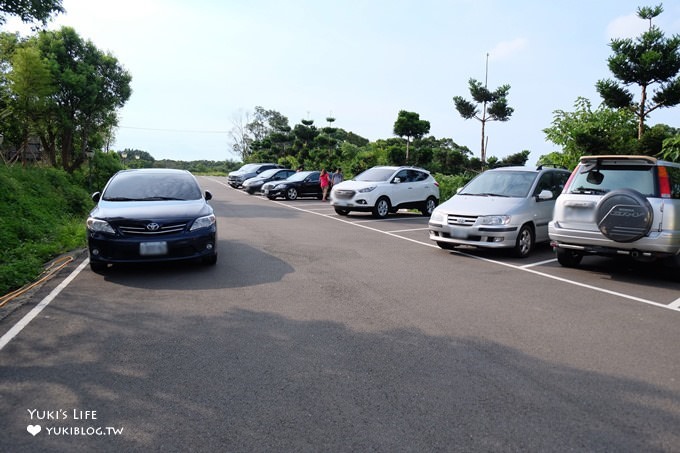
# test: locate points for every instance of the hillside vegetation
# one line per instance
(42, 214)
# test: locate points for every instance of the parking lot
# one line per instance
(315, 331)
(648, 283)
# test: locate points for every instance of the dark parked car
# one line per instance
(301, 184)
(149, 215)
(255, 184)
(236, 178)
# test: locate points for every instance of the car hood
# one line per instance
(151, 209)
(351, 184)
(256, 179)
(475, 205)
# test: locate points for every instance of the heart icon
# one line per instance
(33, 429)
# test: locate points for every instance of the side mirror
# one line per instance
(396, 180)
(96, 196)
(208, 195)
(544, 195)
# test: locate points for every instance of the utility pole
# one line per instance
(484, 138)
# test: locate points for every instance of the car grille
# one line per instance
(461, 220)
(148, 228)
(344, 194)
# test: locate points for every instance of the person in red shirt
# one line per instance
(325, 181)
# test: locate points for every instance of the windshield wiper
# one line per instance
(120, 199)
(142, 199)
(485, 194)
(160, 198)
(589, 190)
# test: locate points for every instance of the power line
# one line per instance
(173, 130)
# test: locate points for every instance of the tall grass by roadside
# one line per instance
(42, 214)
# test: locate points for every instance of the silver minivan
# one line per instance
(507, 207)
(618, 206)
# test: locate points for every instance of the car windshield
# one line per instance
(299, 176)
(501, 184)
(147, 186)
(268, 173)
(375, 174)
(604, 178)
(247, 168)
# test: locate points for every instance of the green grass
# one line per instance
(42, 215)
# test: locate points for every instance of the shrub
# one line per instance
(42, 216)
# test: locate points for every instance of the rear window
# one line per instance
(142, 186)
(605, 178)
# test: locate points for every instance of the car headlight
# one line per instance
(279, 187)
(494, 220)
(367, 189)
(99, 226)
(203, 222)
(437, 216)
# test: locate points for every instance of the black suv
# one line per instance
(236, 178)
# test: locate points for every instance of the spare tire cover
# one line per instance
(624, 215)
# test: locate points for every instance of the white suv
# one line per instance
(382, 190)
(618, 205)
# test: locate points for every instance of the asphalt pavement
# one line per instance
(317, 332)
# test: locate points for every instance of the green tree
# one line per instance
(410, 125)
(671, 149)
(30, 10)
(494, 107)
(30, 86)
(651, 62)
(584, 131)
(90, 86)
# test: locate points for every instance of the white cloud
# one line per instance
(508, 49)
(629, 26)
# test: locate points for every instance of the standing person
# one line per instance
(325, 181)
(337, 176)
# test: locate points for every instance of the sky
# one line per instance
(198, 67)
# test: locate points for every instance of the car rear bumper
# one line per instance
(655, 243)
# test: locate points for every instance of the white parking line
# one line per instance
(23, 322)
(540, 263)
(411, 229)
(389, 219)
(675, 305)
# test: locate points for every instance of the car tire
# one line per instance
(568, 258)
(446, 245)
(291, 193)
(382, 208)
(341, 211)
(428, 206)
(250, 191)
(525, 242)
(624, 215)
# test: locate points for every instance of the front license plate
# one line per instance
(458, 233)
(153, 248)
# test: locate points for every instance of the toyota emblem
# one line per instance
(153, 226)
